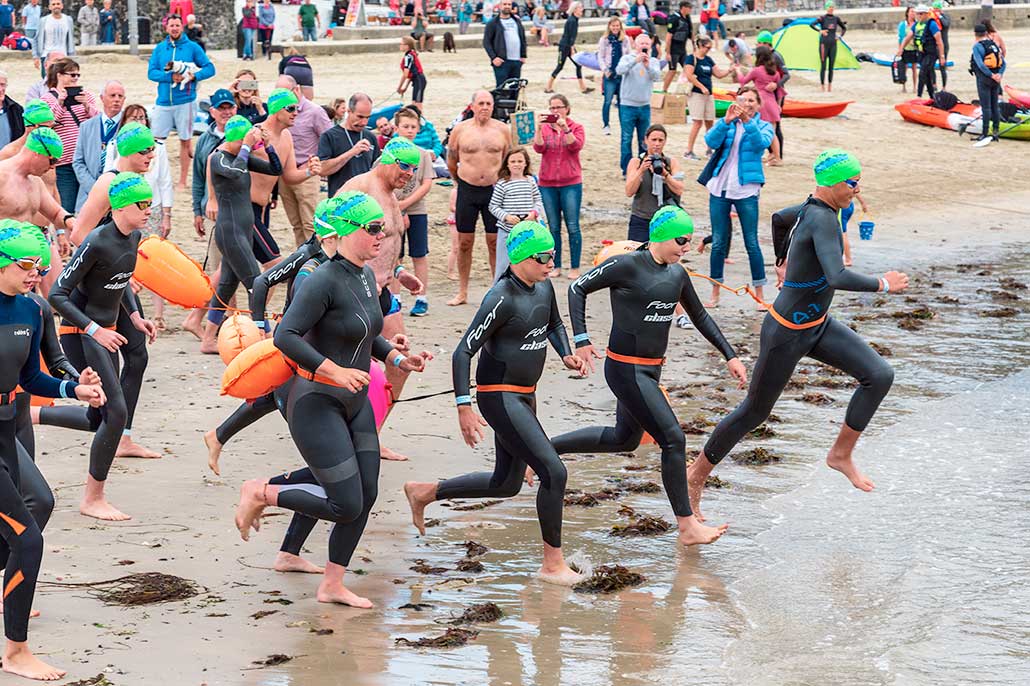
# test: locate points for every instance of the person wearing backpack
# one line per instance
(926, 35)
(944, 21)
(987, 64)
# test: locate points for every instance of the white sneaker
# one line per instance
(607, 130)
(683, 321)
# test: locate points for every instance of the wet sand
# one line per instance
(711, 616)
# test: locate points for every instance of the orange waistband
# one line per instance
(62, 330)
(783, 321)
(317, 378)
(498, 387)
(629, 359)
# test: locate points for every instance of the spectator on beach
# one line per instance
(349, 149)
(308, 21)
(737, 51)
(56, 33)
(412, 73)
(993, 34)
(515, 198)
(542, 26)
(765, 38)
(638, 71)
(11, 124)
(108, 22)
(89, 23)
(610, 49)
(95, 134)
(653, 179)
(504, 40)
(249, 26)
(926, 36)
(988, 66)
(299, 199)
(640, 15)
(909, 56)
(566, 47)
(766, 78)
(266, 26)
(30, 16)
(698, 70)
(182, 8)
(248, 100)
(680, 32)
(559, 143)
(296, 65)
(36, 90)
(6, 19)
(734, 178)
(70, 110)
(195, 31)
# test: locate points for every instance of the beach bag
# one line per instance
(898, 71)
(523, 120)
(943, 100)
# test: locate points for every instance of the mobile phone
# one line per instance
(550, 118)
(247, 85)
(73, 92)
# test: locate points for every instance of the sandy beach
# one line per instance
(739, 612)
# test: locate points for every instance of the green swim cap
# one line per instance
(37, 112)
(345, 213)
(835, 165)
(44, 244)
(45, 141)
(280, 98)
(133, 138)
(527, 239)
(128, 188)
(764, 37)
(829, 4)
(670, 222)
(401, 149)
(236, 128)
(938, 5)
(16, 242)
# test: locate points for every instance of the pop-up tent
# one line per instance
(799, 45)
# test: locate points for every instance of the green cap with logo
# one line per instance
(236, 128)
(764, 37)
(45, 141)
(835, 165)
(280, 98)
(670, 222)
(44, 244)
(345, 213)
(37, 112)
(133, 138)
(17, 243)
(526, 239)
(401, 150)
(127, 188)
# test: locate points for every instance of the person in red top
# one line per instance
(412, 73)
(70, 109)
(182, 8)
(558, 139)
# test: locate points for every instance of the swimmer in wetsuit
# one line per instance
(21, 329)
(516, 321)
(645, 286)
(331, 331)
(231, 164)
(827, 26)
(89, 295)
(798, 325)
(135, 145)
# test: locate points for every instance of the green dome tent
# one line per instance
(799, 45)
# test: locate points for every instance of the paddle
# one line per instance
(986, 141)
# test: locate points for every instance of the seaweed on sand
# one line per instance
(609, 579)
(756, 456)
(645, 525)
(481, 613)
(451, 638)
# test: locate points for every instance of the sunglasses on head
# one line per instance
(28, 263)
(291, 108)
(681, 240)
(543, 257)
(851, 184)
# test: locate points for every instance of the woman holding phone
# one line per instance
(244, 89)
(559, 140)
(71, 106)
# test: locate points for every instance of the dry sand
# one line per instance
(935, 198)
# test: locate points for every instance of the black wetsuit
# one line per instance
(234, 227)
(94, 288)
(336, 315)
(21, 328)
(644, 295)
(945, 23)
(828, 43)
(815, 271)
(285, 271)
(513, 327)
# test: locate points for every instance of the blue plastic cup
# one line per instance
(865, 230)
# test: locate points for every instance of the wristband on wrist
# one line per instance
(886, 285)
(60, 232)
(397, 270)
(463, 400)
(581, 338)
(398, 360)
(92, 328)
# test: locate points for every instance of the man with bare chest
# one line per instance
(474, 155)
(396, 166)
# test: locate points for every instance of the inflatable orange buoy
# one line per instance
(646, 439)
(612, 248)
(256, 371)
(166, 270)
(238, 333)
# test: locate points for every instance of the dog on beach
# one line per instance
(185, 69)
(448, 42)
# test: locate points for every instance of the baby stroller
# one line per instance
(507, 97)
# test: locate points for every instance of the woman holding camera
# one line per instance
(71, 105)
(558, 140)
(652, 180)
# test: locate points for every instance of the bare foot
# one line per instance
(22, 662)
(563, 576)
(252, 504)
(846, 466)
(459, 299)
(193, 326)
(101, 509)
(391, 455)
(209, 347)
(712, 304)
(129, 448)
(848, 262)
(729, 260)
(452, 276)
(214, 450)
(286, 562)
(337, 593)
(774, 162)
(573, 274)
(419, 495)
(694, 532)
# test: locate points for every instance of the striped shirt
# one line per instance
(65, 123)
(519, 197)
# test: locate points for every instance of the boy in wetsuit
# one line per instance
(514, 324)
(797, 325)
(645, 286)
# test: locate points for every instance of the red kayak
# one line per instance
(803, 108)
(1021, 98)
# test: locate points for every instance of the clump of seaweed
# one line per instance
(645, 525)
(639, 486)
(98, 680)
(451, 638)
(481, 505)
(716, 482)
(637, 467)
(581, 499)
(763, 431)
(609, 579)
(817, 398)
(474, 549)
(141, 589)
(1011, 284)
(273, 660)
(697, 425)
(481, 613)
(1002, 312)
(469, 564)
(881, 350)
(422, 567)
(756, 456)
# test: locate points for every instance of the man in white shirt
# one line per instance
(56, 32)
(94, 135)
(504, 40)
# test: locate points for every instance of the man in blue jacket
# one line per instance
(178, 65)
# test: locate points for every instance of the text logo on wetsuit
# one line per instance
(594, 273)
(535, 345)
(75, 264)
(22, 332)
(118, 281)
(659, 307)
(477, 332)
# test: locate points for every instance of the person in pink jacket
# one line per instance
(558, 140)
(764, 73)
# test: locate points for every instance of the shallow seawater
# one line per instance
(921, 582)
